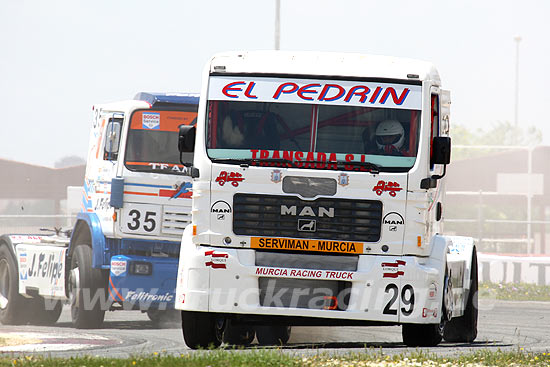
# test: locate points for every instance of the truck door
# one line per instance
(102, 165)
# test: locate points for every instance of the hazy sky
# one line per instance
(58, 58)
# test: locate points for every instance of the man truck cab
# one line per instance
(318, 200)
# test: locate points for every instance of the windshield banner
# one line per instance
(331, 92)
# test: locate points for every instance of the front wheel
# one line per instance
(422, 335)
(12, 304)
(86, 290)
(45, 312)
(199, 330)
(464, 328)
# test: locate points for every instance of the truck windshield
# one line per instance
(152, 144)
(291, 133)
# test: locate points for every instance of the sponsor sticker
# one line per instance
(392, 270)
(118, 267)
(428, 312)
(304, 273)
(233, 177)
(295, 244)
(151, 120)
(391, 187)
(216, 260)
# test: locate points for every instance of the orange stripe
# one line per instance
(118, 294)
(141, 193)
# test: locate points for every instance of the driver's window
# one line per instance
(112, 139)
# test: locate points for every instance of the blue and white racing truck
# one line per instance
(123, 250)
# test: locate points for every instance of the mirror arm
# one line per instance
(191, 171)
(431, 182)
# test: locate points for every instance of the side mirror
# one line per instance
(186, 139)
(112, 139)
(441, 150)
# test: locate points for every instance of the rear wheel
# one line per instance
(199, 330)
(464, 328)
(242, 335)
(86, 290)
(12, 304)
(273, 334)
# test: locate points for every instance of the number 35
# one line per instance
(149, 224)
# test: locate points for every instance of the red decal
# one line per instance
(395, 264)
(233, 177)
(391, 187)
(391, 269)
(394, 275)
(217, 260)
(232, 87)
(429, 312)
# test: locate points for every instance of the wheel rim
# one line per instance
(74, 285)
(4, 283)
(448, 299)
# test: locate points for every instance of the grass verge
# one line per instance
(514, 291)
(269, 358)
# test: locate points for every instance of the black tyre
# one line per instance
(422, 335)
(86, 290)
(12, 304)
(199, 330)
(273, 334)
(45, 312)
(241, 335)
(464, 328)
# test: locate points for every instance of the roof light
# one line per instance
(413, 76)
(219, 68)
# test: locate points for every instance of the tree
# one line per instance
(500, 134)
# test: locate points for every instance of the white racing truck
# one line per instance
(318, 200)
(123, 250)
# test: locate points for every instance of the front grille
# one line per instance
(323, 218)
(304, 293)
(309, 187)
(175, 219)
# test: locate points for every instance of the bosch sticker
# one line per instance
(151, 120)
(118, 267)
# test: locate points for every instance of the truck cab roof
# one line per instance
(345, 65)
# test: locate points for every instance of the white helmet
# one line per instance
(390, 132)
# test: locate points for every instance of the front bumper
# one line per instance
(142, 283)
(392, 289)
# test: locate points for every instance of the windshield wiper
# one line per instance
(373, 168)
(244, 162)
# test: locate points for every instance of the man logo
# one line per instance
(221, 207)
(307, 225)
(393, 220)
(307, 211)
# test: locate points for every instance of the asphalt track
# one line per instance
(503, 325)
